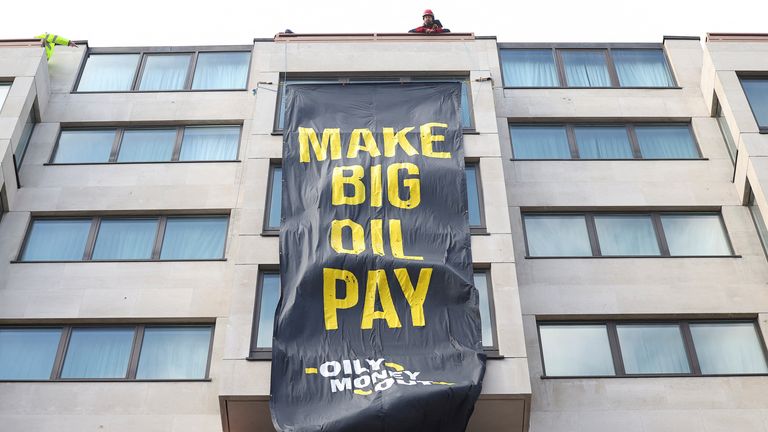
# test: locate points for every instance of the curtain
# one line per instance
(108, 72)
(603, 142)
(666, 142)
(561, 235)
(28, 354)
(626, 235)
(276, 199)
(98, 353)
(270, 294)
(586, 69)
(57, 240)
(695, 234)
(481, 283)
(194, 238)
(84, 146)
(125, 239)
(210, 143)
(649, 349)
(757, 95)
(641, 68)
(222, 70)
(165, 72)
(528, 68)
(473, 198)
(539, 142)
(728, 348)
(576, 350)
(174, 353)
(147, 145)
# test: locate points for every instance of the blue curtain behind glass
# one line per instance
(222, 70)
(728, 348)
(86, 146)
(174, 352)
(147, 145)
(481, 283)
(108, 72)
(539, 142)
(604, 142)
(757, 94)
(194, 238)
(641, 68)
(98, 353)
(57, 240)
(210, 143)
(586, 69)
(649, 349)
(666, 142)
(28, 354)
(125, 239)
(276, 199)
(528, 68)
(270, 294)
(165, 72)
(626, 235)
(561, 235)
(695, 234)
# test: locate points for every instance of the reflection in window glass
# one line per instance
(481, 283)
(194, 238)
(603, 142)
(557, 235)
(585, 68)
(652, 349)
(174, 353)
(576, 350)
(84, 146)
(221, 70)
(125, 239)
(147, 145)
(626, 235)
(728, 348)
(666, 142)
(473, 196)
(57, 240)
(276, 198)
(695, 234)
(165, 72)
(28, 354)
(539, 142)
(641, 68)
(204, 143)
(98, 353)
(108, 72)
(756, 90)
(528, 68)
(270, 294)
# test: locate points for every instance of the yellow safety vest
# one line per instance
(50, 41)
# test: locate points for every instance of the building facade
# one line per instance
(615, 206)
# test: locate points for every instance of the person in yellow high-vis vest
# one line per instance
(51, 40)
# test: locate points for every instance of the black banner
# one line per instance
(378, 327)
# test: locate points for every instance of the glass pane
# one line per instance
(757, 94)
(466, 118)
(586, 68)
(652, 349)
(223, 70)
(165, 72)
(26, 135)
(725, 130)
(528, 68)
(539, 142)
(576, 350)
(696, 234)
(481, 283)
(4, 89)
(728, 348)
(270, 294)
(557, 235)
(210, 143)
(276, 198)
(473, 196)
(666, 142)
(147, 145)
(57, 240)
(84, 146)
(626, 235)
(28, 354)
(757, 217)
(194, 238)
(641, 68)
(98, 353)
(125, 239)
(603, 142)
(108, 72)
(174, 353)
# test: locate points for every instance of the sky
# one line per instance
(228, 22)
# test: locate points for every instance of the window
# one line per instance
(757, 218)
(603, 142)
(273, 215)
(625, 235)
(474, 198)
(651, 348)
(126, 238)
(482, 280)
(120, 352)
(26, 136)
(267, 296)
(3, 202)
(4, 89)
(582, 67)
(725, 130)
(136, 145)
(756, 89)
(165, 71)
(466, 107)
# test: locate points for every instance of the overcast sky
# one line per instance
(173, 22)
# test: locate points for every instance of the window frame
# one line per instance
(133, 361)
(93, 232)
(615, 346)
(752, 76)
(266, 229)
(607, 48)
(573, 146)
(482, 228)
(491, 351)
(594, 241)
(143, 52)
(254, 352)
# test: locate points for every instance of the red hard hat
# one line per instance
(427, 12)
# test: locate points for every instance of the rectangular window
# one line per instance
(626, 235)
(474, 197)
(26, 136)
(725, 130)
(141, 144)
(603, 142)
(757, 218)
(126, 238)
(267, 296)
(756, 89)
(119, 352)
(5, 87)
(651, 348)
(163, 71)
(585, 67)
(272, 218)
(482, 280)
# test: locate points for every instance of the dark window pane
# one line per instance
(626, 235)
(204, 143)
(528, 68)
(576, 350)
(473, 196)
(194, 238)
(174, 352)
(84, 146)
(276, 198)
(147, 145)
(586, 69)
(125, 239)
(641, 68)
(28, 354)
(603, 142)
(481, 283)
(728, 348)
(557, 235)
(57, 240)
(108, 72)
(695, 234)
(270, 294)
(26, 135)
(666, 142)
(652, 349)
(539, 142)
(98, 353)
(221, 70)
(165, 72)
(757, 94)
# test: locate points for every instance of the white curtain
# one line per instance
(98, 353)
(165, 72)
(557, 235)
(108, 72)
(84, 146)
(605, 142)
(57, 240)
(28, 354)
(626, 235)
(576, 350)
(194, 238)
(652, 349)
(204, 143)
(666, 142)
(728, 348)
(222, 70)
(586, 69)
(528, 68)
(695, 234)
(174, 352)
(147, 145)
(125, 239)
(539, 142)
(641, 68)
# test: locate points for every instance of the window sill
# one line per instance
(493, 354)
(158, 91)
(270, 233)
(138, 163)
(606, 160)
(631, 256)
(545, 377)
(106, 380)
(118, 261)
(478, 231)
(260, 356)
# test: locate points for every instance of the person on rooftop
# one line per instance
(431, 25)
